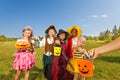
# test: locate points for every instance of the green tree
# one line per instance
(102, 36)
(115, 32)
(96, 38)
(3, 38)
(118, 35)
(89, 37)
(108, 36)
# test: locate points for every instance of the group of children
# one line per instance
(55, 67)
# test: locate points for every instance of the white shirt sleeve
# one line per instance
(42, 42)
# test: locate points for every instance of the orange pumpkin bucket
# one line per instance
(85, 67)
(22, 45)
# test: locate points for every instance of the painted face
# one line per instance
(51, 32)
(62, 36)
(27, 33)
(74, 32)
(85, 67)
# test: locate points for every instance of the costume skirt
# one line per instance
(24, 61)
(63, 73)
(74, 64)
(55, 68)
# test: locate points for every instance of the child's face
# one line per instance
(27, 33)
(74, 32)
(62, 36)
(51, 32)
(81, 42)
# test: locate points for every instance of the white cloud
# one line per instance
(100, 16)
(104, 16)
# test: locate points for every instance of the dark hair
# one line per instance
(74, 29)
(51, 27)
(61, 32)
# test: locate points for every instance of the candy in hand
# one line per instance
(91, 52)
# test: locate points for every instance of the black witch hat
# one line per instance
(62, 31)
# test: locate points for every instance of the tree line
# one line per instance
(107, 35)
(3, 38)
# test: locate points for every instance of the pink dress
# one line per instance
(24, 60)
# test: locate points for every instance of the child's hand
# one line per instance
(82, 50)
(30, 49)
(91, 53)
(57, 42)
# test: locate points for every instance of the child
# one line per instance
(59, 71)
(74, 33)
(78, 53)
(25, 58)
(48, 41)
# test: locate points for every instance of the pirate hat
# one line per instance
(50, 27)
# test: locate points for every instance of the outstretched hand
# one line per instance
(93, 53)
(96, 54)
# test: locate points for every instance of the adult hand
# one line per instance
(96, 54)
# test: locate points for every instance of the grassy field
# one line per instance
(107, 66)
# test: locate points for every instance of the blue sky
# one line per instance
(93, 16)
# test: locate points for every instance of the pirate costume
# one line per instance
(48, 54)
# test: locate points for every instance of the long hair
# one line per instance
(28, 28)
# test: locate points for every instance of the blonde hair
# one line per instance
(30, 29)
(82, 37)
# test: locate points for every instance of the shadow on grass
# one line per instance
(35, 74)
(110, 59)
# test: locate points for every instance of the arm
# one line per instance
(82, 50)
(33, 43)
(57, 41)
(114, 45)
(74, 49)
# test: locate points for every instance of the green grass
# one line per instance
(107, 66)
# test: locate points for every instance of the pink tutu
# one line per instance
(24, 61)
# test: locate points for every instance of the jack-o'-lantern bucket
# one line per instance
(57, 51)
(85, 67)
(22, 45)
